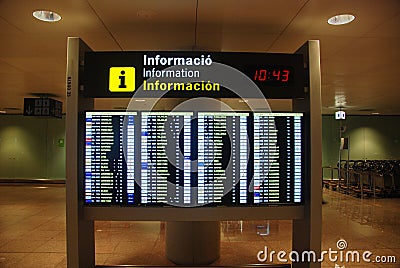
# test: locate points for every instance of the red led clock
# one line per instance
(281, 75)
(272, 75)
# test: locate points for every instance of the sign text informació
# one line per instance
(186, 68)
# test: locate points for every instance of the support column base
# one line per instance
(192, 243)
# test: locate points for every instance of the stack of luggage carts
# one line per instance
(370, 178)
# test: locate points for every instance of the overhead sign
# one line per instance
(340, 115)
(192, 74)
(42, 107)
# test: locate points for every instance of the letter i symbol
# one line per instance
(122, 80)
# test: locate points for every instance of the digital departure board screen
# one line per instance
(109, 174)
(189, 159)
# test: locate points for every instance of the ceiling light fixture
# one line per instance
(340, 100)
(341, 19)
(45, 15)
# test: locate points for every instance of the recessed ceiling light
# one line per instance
(45, 15)
(2, 112)
(340, 100)
(375, 113)
(140, 100)
(341, 19)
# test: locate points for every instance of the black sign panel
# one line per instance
(42, 107)
(193, 74)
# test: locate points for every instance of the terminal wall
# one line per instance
(32, 147)
(370, 138)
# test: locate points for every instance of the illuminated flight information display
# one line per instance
(222, 157)
(277, 158)
(109, 174)
(153, 158)
(162, 159)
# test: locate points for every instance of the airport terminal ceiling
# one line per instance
(359, 61)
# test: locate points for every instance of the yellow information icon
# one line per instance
(122, 79)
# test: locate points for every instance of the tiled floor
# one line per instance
(32, 232)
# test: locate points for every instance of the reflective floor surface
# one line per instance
(32, 233)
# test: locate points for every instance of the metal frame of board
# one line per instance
(80, 219)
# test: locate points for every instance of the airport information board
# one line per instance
(188, 74)
(186, 158)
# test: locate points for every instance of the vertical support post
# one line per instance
(347, 166)
(80, 232)
(193, 242)
(307, 231)
(340, 159)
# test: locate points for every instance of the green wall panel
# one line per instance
(29, 147)
(370, 138)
